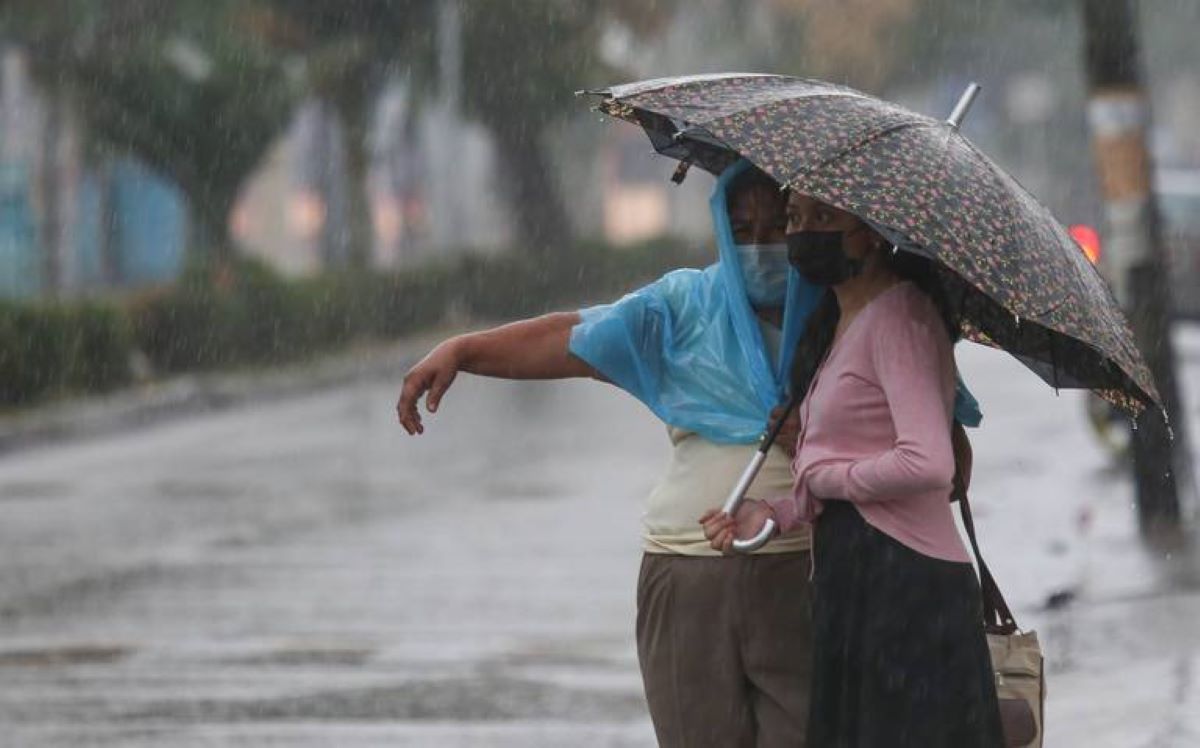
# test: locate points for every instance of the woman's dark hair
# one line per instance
(927, 277)
(815, 342)
(822, 324)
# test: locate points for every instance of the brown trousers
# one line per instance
(724, 646)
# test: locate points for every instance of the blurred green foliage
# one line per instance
(186, 86)
(199, 89)
(54, 348)
(347, 53)
(234, 312)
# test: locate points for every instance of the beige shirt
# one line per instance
(700, 476)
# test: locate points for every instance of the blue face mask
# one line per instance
(765, 273)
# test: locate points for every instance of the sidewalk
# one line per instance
(1117, 619)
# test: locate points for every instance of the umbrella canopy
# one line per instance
(1016, 278)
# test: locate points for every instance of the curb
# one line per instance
(164, 400)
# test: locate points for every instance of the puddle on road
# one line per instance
(559, 660)
(304, 656)
(463, 699)
(78, 654)
(521, 490)
(34, 491)
(79, 596)
(199, 489)
(1139, 627)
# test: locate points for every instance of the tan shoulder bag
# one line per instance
(1016, 656)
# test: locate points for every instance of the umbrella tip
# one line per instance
(681, 172)
(964, 103)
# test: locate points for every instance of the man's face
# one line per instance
(757, 215)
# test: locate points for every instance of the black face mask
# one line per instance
(819, 257)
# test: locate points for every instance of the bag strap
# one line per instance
(997, 617)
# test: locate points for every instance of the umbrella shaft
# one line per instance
(964, 103)
(748, 475)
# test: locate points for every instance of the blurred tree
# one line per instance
(36, 24)
(520, 70)
(877, 44)
(348, 51)
(201, 90)
(859, 42)
(515, 68)
(951, 35)
(181, 86)
(519, 74)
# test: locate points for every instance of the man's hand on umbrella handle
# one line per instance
(786, 439)
(433, 374)
(721, 529)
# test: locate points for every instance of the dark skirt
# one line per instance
(900, 655)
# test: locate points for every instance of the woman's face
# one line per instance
(805, 213)
(829, 246)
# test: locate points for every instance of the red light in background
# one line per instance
(1088, 240)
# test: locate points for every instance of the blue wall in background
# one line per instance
(151, 222)
(149, 226)
(20, 271)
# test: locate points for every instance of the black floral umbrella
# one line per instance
(1018, 280)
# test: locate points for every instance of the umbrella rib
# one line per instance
(876, 135)
(1130, 382)
(699, 121)
(1009, 208)
(1048, 310)
(1053, 357)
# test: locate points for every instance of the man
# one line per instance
(708, 351)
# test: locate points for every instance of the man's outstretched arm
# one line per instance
(535, 348)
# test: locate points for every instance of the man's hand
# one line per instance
(721, 529)
(537, 348)
(433, 374)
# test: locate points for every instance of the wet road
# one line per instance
(301, 573)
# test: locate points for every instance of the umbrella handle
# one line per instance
(738, 493)
(735, 500)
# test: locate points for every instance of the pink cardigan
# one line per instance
(875, 427)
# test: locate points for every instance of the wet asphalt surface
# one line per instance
(302, 573)
(299, 572)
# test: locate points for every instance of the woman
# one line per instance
(900, 656)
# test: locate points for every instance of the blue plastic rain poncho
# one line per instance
(690, 348)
